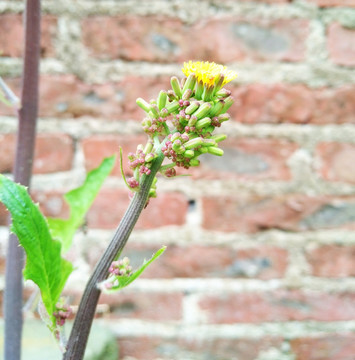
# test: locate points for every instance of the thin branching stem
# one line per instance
(22, 174)
(84, 317)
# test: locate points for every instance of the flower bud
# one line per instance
(148, 147)
(162, 98)
(176, 86)
(199, 90)
(186, 95)
(219, 137)
(192, 108)
(217, 108)
(223, 117)
(189, 83)
(150, 157)
(154, 111)
(203, 123)
(194, 162)
(228, 102)
(203, 150)
(191, 144)
(143, 104)
(209, 142)
(215, 151)
(192, 121)
(172, 107)
(223, 93)
(189, 154)
(203, 110)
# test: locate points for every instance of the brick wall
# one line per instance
(261, 243)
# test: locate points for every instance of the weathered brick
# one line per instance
(341, 44)
(66, 96)
(152, 348)
(332, 261)
(277, 306)
(333, 347)
(110, 205)
(330, 3)
(280, 103)
(252, 213)
(253, 159)
(51, 203)
(264, 262)
(97, 147)
(53, 152)
(336, 161)
(146, 306)
(12, 44)
(163, 39)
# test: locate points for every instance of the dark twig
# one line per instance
(22, 174)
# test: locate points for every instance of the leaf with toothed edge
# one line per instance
(123, 281)
(44, 265)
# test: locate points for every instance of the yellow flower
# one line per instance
(207, 72)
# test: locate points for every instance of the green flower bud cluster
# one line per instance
(181, 121)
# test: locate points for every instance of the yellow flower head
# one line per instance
(207, 72)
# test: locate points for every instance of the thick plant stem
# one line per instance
(22, 174)
(83, 320)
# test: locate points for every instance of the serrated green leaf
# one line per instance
(44, 265)
(79, 201)
(124, 281)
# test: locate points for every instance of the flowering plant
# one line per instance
(180, 126)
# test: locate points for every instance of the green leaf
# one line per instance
(80, 200)
(44, 265)
(119, 282)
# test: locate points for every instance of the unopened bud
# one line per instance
(162, 99)
(176, 86)
(215, 151)
(189, 83)
(219, 137)
(172, 107)
(192, 121)
(203, 123)
(209, 142)
(143, 105)
(228, 102)
(189, 154)
(217, 108)
(203, 110)
(187, 94)
(192, 144)
(194, 162)
(192, 108)
(223, 93)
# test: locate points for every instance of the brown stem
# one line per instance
(22, 174)
(83, 320)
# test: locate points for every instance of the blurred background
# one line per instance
(261, 242)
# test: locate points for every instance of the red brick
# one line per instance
(336, 161)
(110, 205)
(332, 347)
(52, 203)
(264, 262)
(12, 43)
(341, 44)
(330, 3)
(4, 215)
(281, 103)
(54, 152)
(7, 152)
(332, 261)
(145, 306)
(152, 348)
(277, 306)
(97, 147)
(162, 39)
(66, 96)
(252, 213)
(254, 159)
